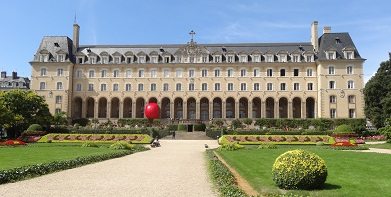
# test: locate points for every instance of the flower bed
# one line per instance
(133, 138)
(13, 143)
(375, 138)
(276, 139)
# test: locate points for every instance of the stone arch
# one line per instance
(114, 108)
(127, 111)
(191, 108)
(102, 108)
(204, 108)
(217, 108)
(165, 108)
(283, 107)
(257, 103)
(230, 108)
(296, 107)
(90, 107)
(152, 100)
(178, 108)
(77, 108)
(270, 107)
(243, 107)
(140, 104)
(310, 106)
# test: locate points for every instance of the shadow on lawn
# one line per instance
(328, 186)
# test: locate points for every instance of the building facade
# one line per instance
(322, 78)
(13, 82)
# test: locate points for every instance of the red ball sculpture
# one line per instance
(151, 111)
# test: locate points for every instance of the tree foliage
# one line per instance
(19, 109)
(377, 94)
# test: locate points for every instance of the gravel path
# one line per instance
(178, 168)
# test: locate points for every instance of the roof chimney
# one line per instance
(14, 75)
(314, 35)
(76, 32)
(326, 30)
(3, 74)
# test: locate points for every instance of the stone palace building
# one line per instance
(322, 78)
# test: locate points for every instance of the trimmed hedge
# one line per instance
(82, 122)
(276, 139)
(17, 174)
(269, 132)
(199, 127)
(222, 178)
(214, 134)
(35, 127)
(102, 138)
(182, 127)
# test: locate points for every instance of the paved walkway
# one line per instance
(178, 168)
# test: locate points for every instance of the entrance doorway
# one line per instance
(189, 128)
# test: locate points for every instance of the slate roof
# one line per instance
(328, 41)
(55, 44)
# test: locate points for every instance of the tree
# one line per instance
(60, 118)
(20, 109)
(377, 94)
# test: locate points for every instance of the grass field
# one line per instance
(349, 173)
(385, 146)
(12, 157)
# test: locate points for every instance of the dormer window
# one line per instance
(117, 60)
(60, 58)
(105, 59)
(256, 58)
(349, 55)
(331, 55)
(141, 59)
(154, 59)
(269, 58)
(283, 58)
(128, 60)
(43, 58)
(167, 59)
(92, 60)
(243, 58)
(295, 58)
(309, 58)
(217, 58)
(230, 59)
(205, 59)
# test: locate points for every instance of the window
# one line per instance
(140, 73)
(333, 113)
(296, 58)
(179, 73)
(153, 86)
(269, 86)
(310, 86)
(309, 72)
(350, 84)
(117, 60)
(92, 60)
(166, 73)
(59, 86)
(230, 86)
(331, 70)
(167, 59)
(332, 85)
(296, 86)
(191, 73)
(349, 70)
(60, 72)
(57, 110)
(58, 99)
(217, 73)
(42, 85)
(178, 87)
(205, 59)
(217, 58)
(282, 72)
(43, 71)
(60, 58)
(283, 86)
(153, 73)
(141, 59)
(217, 86)
(256, 72)
(330, 55)
(128, 73)
(90, 87)
(154, 59)
(269, 72)
(243, 58)
(128, 60)
(351, 99)
(103, 87)
(165, 87)
(204, 87)
(295, 72)
(269, 58)
(204, 73)
(128, 87)
(78, 87)
(243, 72)
(191, 86)
(230, 58)
(309, 58)
(103, 73)
(333, 99)
(91, 73)
(256, 58)
(116, 73)
(230, 72)
(105, 60)
(243, 86)
(256, 87)
(115, 87)
(79, 73)
(282, 58)
(352, 113)
(349, 55)
(140, 87)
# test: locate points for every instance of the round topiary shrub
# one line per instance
(343, 129)
(299, 169)
(35, 127)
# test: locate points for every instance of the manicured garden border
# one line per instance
(101, 138)
(276, 139)
(25, 172)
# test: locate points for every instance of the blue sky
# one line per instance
(24, 23)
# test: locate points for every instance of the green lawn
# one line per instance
(349, 173)
(385, 146)
(12, 157)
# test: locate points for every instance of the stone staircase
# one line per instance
(183, 135)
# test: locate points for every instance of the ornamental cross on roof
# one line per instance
(192, 33)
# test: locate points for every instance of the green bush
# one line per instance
(386, 131)
(35, 127)
(89, 144)
(267, 146)
(214, 134)
(182, 127)
(172, 127)
(199, 127)
(299, 169)
(122, 146)
(218, 122)
(231, 146)
(236, 124)
(343, 129)
(82, 122)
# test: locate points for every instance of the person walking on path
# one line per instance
(173, 135)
